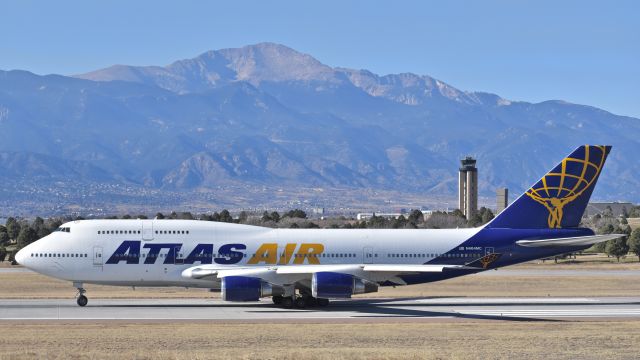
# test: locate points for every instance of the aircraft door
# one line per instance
(97, 256)
(147, 229)
(488, 250)
(178, 257)
(367, 255)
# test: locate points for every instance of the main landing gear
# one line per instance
(300, 301)
(81, 299)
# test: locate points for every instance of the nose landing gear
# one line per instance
(81, 299)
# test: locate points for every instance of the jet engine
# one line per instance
(244, 288)
(337, 285)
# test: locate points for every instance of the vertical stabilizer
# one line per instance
(559, 199)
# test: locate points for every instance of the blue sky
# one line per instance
(585, 52)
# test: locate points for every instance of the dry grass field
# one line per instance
(426, 340)
(362, 339)
(634, 222)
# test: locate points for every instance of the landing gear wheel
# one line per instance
(301, 303)
(287, 302)
(311, 301)
(322, 302)
(277, 299)
(82, 300)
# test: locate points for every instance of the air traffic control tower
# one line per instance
(468, 187)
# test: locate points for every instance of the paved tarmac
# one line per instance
(378, 309)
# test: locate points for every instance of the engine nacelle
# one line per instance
(244, 288)
(337, 285)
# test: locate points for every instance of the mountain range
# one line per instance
(266, 114)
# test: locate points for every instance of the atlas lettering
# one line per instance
(130, 252)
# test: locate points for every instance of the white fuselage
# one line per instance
(156, 252)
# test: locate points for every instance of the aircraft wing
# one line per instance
(211, 272)
(570, 241)
(216, 272)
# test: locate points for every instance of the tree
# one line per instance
(4, 238)
(377, 222)
(634, 242)
(27, 236)
(159, 215)
(599, 247)
(3, 254)
(225, 216)
(617, 247)
(415, 217)
(275, 216)
(242, 217)
(606, 229)
(185, 215)
(297, 213)
(486, 215)
(398, 223)
(40, 228)
(13, 228)
(265, 217)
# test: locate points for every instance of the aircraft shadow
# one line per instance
(387, 308)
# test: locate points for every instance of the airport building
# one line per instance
(468, 187)
(502, 199)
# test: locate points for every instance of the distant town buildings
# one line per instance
(502, 199)
(617, 208)
(468, 187)
(367, 216)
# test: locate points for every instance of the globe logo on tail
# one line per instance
(567, 182)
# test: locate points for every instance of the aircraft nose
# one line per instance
(21, 256)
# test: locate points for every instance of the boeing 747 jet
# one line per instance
(307, 267)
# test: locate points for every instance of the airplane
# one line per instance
(308, 267)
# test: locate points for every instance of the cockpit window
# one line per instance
(63, 229)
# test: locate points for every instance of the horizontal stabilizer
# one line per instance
(570, 241)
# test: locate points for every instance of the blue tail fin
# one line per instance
(559, 199)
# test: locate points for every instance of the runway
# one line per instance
(361, 309)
